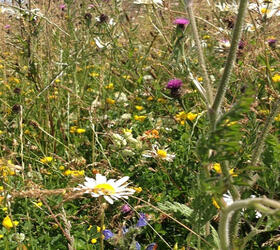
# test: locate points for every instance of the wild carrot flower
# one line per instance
(110, 189)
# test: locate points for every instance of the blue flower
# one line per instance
(137, 246)
(152, 246)
(142, 220)
(108, 234)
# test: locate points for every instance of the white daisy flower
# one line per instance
(110, 189)
(158, 153)
(156, 2)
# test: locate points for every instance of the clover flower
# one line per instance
(110, 189)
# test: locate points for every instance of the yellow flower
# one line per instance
(80, 130)
(94, 74)
(98, 228)
(138, 189)
(217, 168)
(90, 226)
(140, 118)
(139, 108)
(93, 241)
(191, 116)
(161, 100)
(276, 78)
(61, 168)
(110, 101)
(215, 203)
(161, 153)
(277, 118)
(109, 86)
(73, 129)
(126, 77)
(1, 132)
(46, 159)
(39, 204)
(200, 79)
(150, 98)
(1, 236)
(8, 223)
(57, 80)
(67, 172)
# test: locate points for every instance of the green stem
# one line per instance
(208, 86)
(213, 113)
(260, 141)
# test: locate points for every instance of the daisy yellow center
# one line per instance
(162, 153)
(105, 188)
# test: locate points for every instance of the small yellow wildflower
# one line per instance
(61, 168)
(215, 203)
(67, 172)
(39, 204)
(93, 241)
(1, 66)
(90, 226)
(127, 130)
(109, 86)
(277, 118)
(150, 98)
(126, 77)
(94, 74)
(140, 118)
(46, 159)
(57, 81)
(110, 101)
(4, 209)
(1, 188)
(276, 78)
(55, 226)
(80, 130)
(138, 189)
(139, 108)
(1, 132)
(73, 129)
(200, 79)
(191, 116)
(218, 169)
(206, 37)
(98, 228)
(8, 223)
(1, 236)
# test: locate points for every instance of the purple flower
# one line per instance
(7, 26)
(125, 208)
(174, 84)
(142, 220)
(108, 234)
(241, 45)
(152, 246)
(181, 21)
(272, 43)
(62, 6)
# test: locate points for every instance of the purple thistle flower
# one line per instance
(125, 208)
(272, 43)
(152, 246)
(182, 21)
(108, 234)
(142, 220)
(62, 6)
(174, 84)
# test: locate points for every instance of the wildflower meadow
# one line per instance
(139, 124)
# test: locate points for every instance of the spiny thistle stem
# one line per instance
(208, 86)
(213, 113)
(226, 216)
